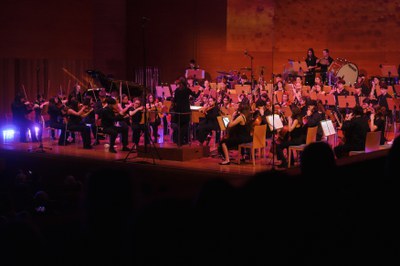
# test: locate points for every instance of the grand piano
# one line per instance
(129, 88)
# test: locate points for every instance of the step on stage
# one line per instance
(167, 151)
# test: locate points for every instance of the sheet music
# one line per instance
(328, 128)
(274, 122)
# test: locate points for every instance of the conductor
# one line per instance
(181, 115)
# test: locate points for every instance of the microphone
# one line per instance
(145, 18)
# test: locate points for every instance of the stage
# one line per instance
(152, 177)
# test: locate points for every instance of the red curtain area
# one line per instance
(44, 76)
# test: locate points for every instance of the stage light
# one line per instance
(8, 135)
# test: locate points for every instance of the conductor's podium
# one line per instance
(170, 151)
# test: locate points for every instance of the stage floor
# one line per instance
(100, 152)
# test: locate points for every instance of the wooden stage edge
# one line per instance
(187, 159)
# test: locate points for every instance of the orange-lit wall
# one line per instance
(108, 35)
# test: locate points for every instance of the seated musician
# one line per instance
(109, 117)
(317, 86)
(279, 86)
(355, 128)
(378, 121)
(296, 133)
(138, 126)
(75, 112)
(358, 93)
(238, 132)
(313, 117)
(210, 122)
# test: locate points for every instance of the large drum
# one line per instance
(341, 68)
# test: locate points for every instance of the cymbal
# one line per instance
(246, 68)
(224, 73)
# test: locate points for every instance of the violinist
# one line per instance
(355, 129)
(75, 112)
(210, 122)
(297, 135)
(238, 132)
(98, 107)
(56, 121)
(109, 117)
(20, 108)
(76, 94)
(153, 108)
(90, 119)
(38, 109)
(377, 121)
(137, 117)
(313, 118)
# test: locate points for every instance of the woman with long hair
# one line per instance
(238, 132)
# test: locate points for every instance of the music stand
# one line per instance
(279, 96)
(389, 71)
(173, 88)
(194, 74)
(328, 129)
(313, 95)
(242, 89)
(159, 91)
(223, 121)
(327, 89)
(328, 99)
(300, 67)
(274, 122)
(346, 101)
(393, 104)
(305, 91)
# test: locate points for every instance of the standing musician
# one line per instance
(38, 108)
(311, 61)
(210, 122)
(98, 106)
(20, 108)
(56, 121)
(154, 118)
(137, 117)
(324, 64)
(124, 107)
(109, 116)
(90, 119)
(238, 132)
(76, 94)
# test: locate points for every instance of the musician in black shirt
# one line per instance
(109, 117)
(324, 64)
(311, 62)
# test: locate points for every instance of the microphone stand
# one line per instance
(251, 69)
(147, 136)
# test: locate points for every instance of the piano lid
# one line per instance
(128, 87)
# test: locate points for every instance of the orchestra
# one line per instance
(299, 103)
